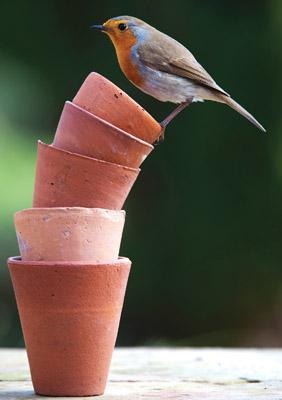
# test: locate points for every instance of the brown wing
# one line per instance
(167, 55)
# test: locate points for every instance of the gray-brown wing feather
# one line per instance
(167, 55)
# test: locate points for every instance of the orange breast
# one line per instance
(123, 49)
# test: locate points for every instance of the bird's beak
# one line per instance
(98, 27)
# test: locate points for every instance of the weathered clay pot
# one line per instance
(84, 133)
(101, 97)
(69, 234)
(65, 179)
(70, 315)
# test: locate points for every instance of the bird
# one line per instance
(162, 67)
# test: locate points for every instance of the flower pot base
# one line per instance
(70, 315)
(104, 99)
(65, 179)
(84, 133)
(69, 234)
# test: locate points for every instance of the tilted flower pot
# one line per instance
(69, 234)
(84, 133)
(65, 179)
(70, 315)
(101, 97)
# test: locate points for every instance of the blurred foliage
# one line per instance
(204, 219)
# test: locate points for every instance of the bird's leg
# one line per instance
(171, 116)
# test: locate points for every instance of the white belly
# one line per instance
(168, 87)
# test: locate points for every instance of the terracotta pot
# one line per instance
(84, 133)
(65, 179)
(69, 314)
(69, 234)
(101, 97)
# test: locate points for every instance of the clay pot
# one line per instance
(69, 234)
(70, 315)
(65, 179)
(84, 133)
(101, 97)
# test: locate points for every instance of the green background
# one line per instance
(204, 219)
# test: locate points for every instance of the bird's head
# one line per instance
(124, 30)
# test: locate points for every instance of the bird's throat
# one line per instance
(126, 60)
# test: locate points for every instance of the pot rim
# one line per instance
(85, 211)
(92, 159)
(116, 128)
(17, 261)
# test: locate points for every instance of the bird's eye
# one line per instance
(122, 27)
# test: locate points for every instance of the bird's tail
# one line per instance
(233, 104)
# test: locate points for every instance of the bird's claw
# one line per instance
(161, 137)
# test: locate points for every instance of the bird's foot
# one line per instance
(161, 137)
(170, 117)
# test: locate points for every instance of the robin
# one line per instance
(163, 68)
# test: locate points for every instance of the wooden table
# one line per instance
(168, 373)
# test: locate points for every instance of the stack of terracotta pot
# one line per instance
(70, 281)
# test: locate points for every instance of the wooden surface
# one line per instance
(163, 373)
